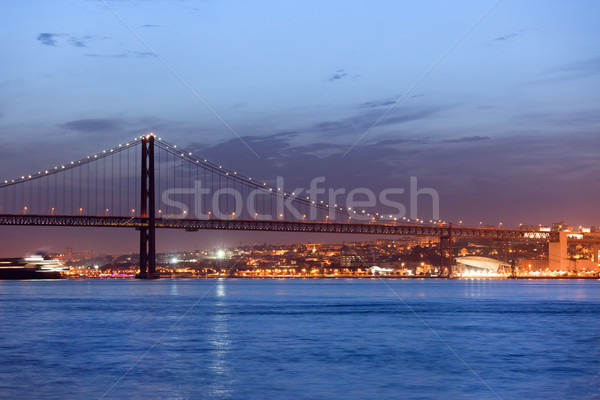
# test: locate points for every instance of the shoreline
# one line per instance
(349, 277)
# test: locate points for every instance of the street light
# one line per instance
(25, 210)
(132, 211)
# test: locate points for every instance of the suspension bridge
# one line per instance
(149, 184)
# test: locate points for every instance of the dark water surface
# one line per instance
(300, 339)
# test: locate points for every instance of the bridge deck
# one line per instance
(280, 226)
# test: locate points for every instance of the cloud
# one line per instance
(590, 66)
(47, 39)
(339, 74)
(52, 39)
(467, 139)
(510, 36)
(92, 125)
(138, 54)
(77, 43)
(378, 103)
(505, 37)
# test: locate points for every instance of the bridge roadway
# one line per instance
(280, 226)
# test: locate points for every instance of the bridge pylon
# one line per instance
(147, 212)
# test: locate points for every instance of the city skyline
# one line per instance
(504, 127)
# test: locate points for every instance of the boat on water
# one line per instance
(32, 267)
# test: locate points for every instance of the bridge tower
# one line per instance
(147, 212)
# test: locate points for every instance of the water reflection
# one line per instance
(220, 347)
(174, 288)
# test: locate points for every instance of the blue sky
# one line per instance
(505, 127)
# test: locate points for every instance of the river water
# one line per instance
(300, 339)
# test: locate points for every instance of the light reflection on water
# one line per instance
(220, 346)
(271, 339)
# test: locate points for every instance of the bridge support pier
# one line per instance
(147, 212)
(446, 245)
(558, 258)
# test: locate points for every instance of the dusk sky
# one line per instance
(496, 105)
